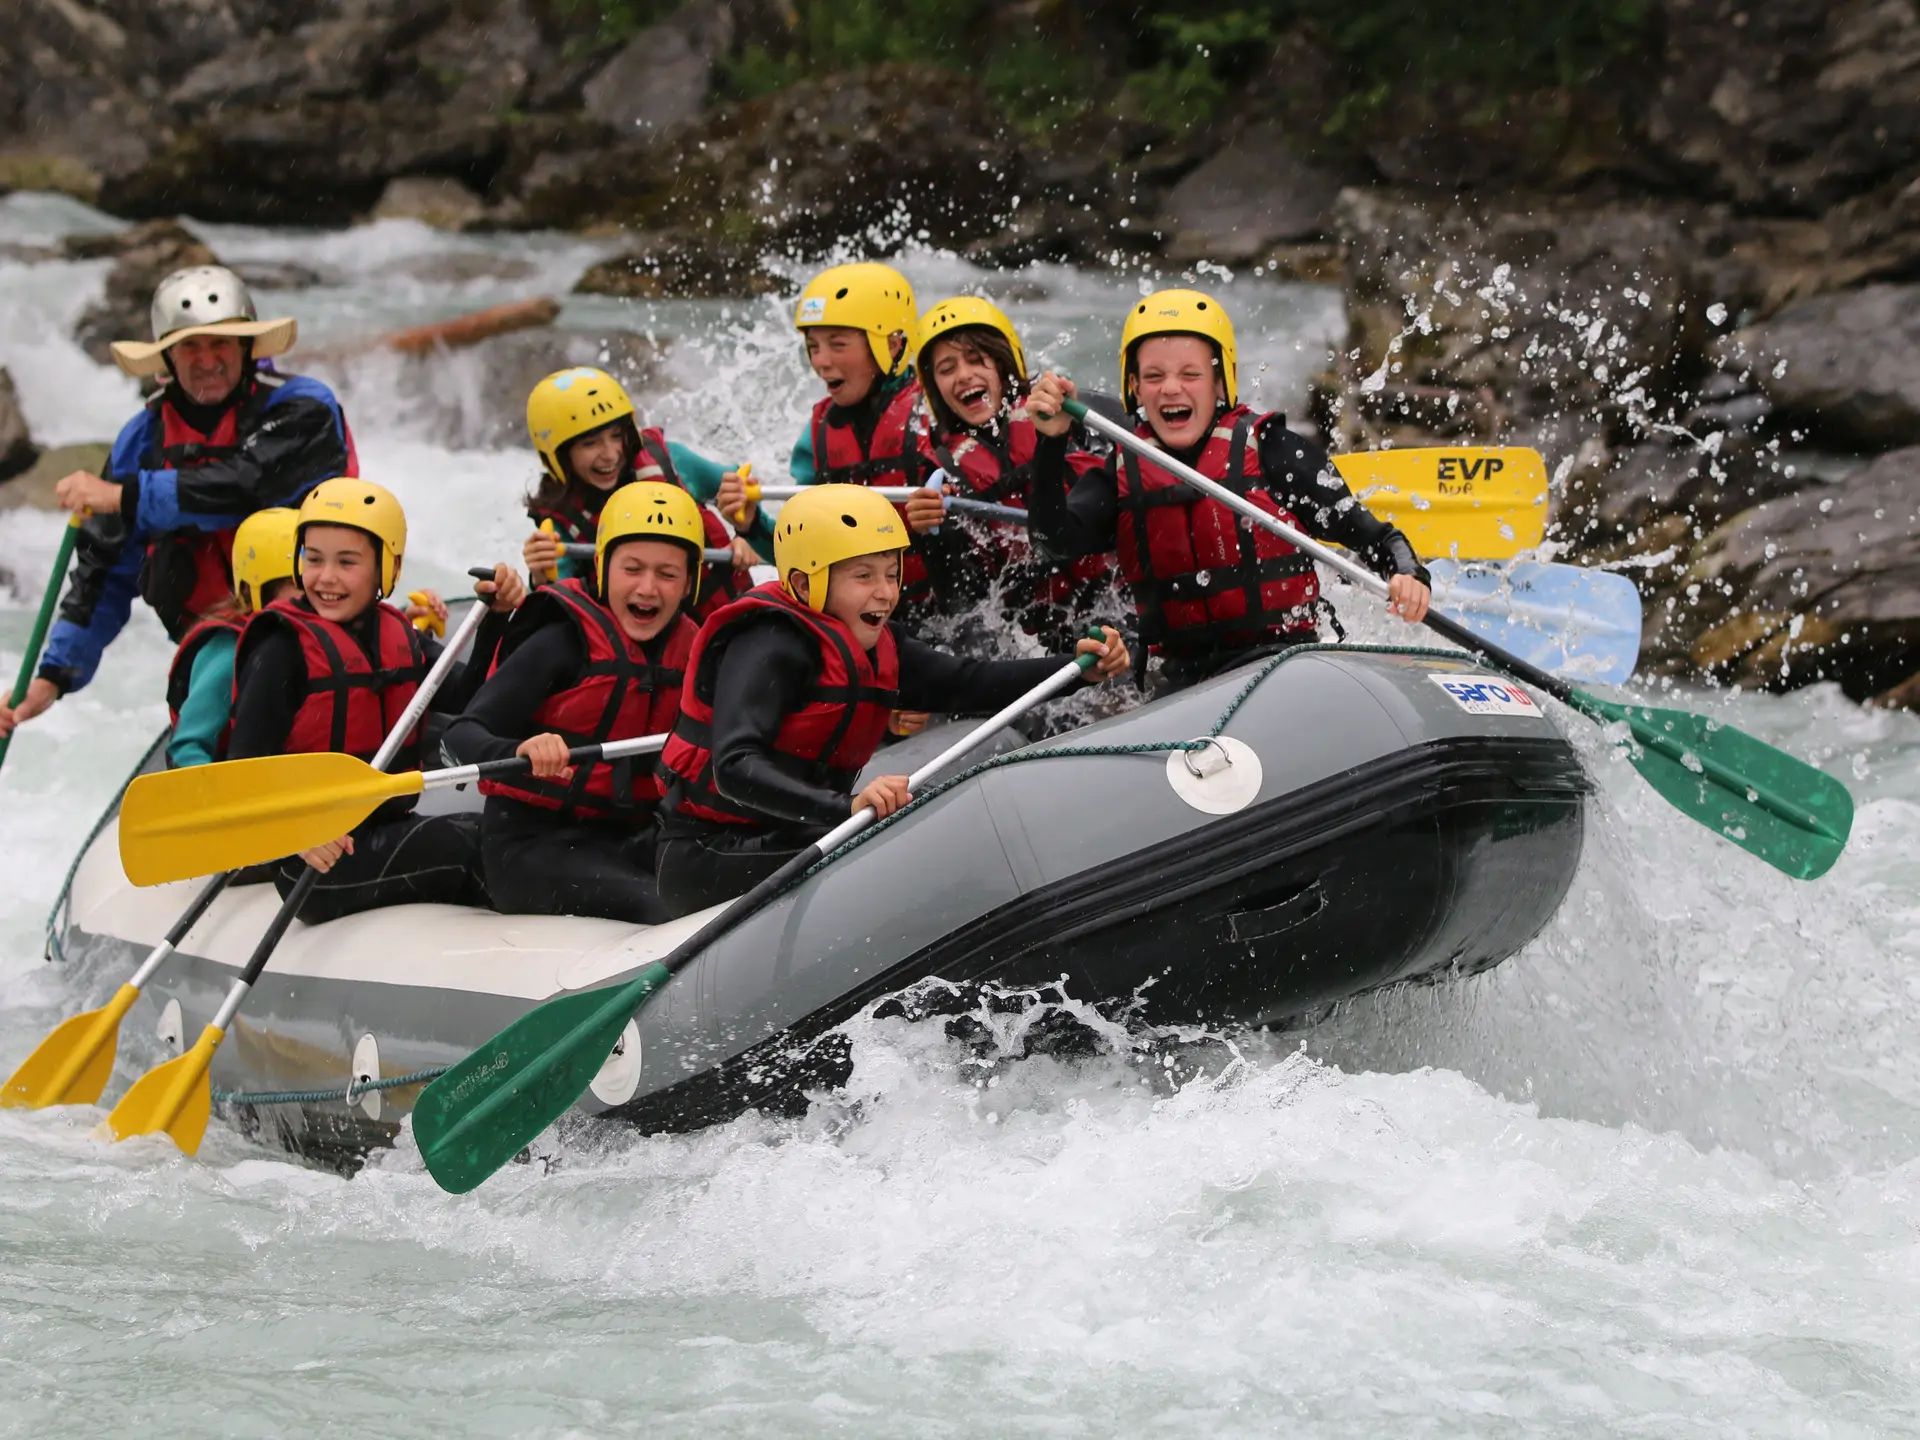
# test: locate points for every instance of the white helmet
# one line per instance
(203, 300)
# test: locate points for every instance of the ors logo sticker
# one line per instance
(1488, 697)
(813, 308)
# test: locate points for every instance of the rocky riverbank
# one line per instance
(1687, 274)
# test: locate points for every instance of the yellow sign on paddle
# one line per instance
(1466, 502)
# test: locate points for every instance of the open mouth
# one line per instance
(644, 613)
(873, 619)
(1176, 414)
(972, 396)
(833, 386)
(328, 597)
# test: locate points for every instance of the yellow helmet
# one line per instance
(870, 297)
(569, 403)
(650, 510)
(1181, 312)
(358, 505)
(824, 524)
(263, 551)
(963, 312)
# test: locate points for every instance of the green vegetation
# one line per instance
(1173, 63)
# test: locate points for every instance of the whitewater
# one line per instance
(1656, 1175)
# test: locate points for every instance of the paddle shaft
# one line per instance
(48, 598)
(520, 764)
(957, 504)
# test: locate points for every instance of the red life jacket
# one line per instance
(180, 675)
(1001, 471)
(622, 694)
(351, 701)
(892, 457)
(1197, 583)
(826, 741)
(573, 522)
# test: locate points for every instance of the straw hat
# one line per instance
(205, 300)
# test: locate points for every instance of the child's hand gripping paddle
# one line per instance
(1792, 816)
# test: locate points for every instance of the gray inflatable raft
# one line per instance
(1357, 818)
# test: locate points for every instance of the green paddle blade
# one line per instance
(1792, 816)
(489, 1107)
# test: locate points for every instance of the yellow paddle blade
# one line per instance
(176, 824)
(72, 1065)
(1471, 502)
(175, 1097)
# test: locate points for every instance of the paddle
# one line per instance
(1473, 502)
(485, 1110)
(175, 1096)
(176, 824)
(1572, 622)
(1791, 815)
(956, 504)
(41, 621)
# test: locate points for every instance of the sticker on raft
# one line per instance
(1489, 697)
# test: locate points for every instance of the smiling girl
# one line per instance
(975, 372)
(1211, 590)
(587, 661)
(333, 671)
(583, 425)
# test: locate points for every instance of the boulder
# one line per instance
(1252, 195)
(17, 450)
(660, 78)
(143, 256)
(1845, 368)
(434, 200)
(1823, 584)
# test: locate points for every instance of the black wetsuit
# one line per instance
(761, 676)
(537, 861)
(398, 857)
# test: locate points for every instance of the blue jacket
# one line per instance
(293, 435)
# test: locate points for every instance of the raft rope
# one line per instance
(356, 1087)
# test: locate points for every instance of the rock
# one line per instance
(17, 450)
(1784, 104)
(671, 268)
(661, 77)
(1820, 585)
(281, 275)
(1845, 367)
(1251, 195)
(34, 486)
(143, 257)
(434, 200)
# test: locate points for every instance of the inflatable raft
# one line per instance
(1349, 818)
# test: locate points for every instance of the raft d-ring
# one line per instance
(366, 1068)
(620, 1076)
(1209, 760)
(1220, 778)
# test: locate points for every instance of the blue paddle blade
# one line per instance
(1575, 623)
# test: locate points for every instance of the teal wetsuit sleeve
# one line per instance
(208, 706)
(571, 568)
(800, 464)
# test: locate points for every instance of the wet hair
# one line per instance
(547, 492)
(976, 342)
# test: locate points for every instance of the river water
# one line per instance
(1654, 1176)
